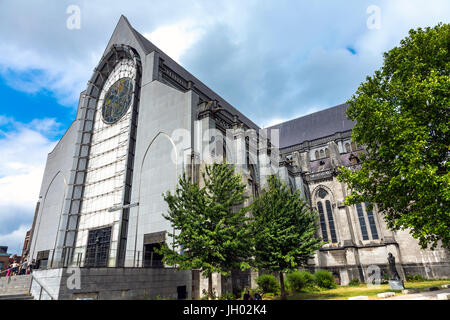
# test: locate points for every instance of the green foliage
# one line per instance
(354, 283)
(300, 281)
(415, 278)
(267, 283)
(402, 116)
(284, 230)
(209, 295)
(228, 296)
(324, 279)
(210, 221)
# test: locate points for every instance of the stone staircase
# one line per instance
(15, 288)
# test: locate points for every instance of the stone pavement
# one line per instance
(426, 295)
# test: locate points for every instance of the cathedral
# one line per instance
(141, 122)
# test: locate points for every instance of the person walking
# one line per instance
(15, 268)
(23, 267)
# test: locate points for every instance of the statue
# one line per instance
(395, 283)
(394, 273)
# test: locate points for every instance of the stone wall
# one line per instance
(113, 283)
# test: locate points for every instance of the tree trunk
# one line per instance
(210, 287)
(282, 289)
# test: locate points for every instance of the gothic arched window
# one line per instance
(326, 217)
(316, 154)
(327, 153)
(364, 213)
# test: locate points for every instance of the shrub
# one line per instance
(415, 278)
(268, 283)
(300, 280)
(325, 279)
(228, 296)
(354, 283)
(205, 295)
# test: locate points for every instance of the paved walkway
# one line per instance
(426, 295)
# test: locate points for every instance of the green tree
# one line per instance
(211, 222)
(284, 230)
(402, 118)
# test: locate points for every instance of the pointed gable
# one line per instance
(125, 34)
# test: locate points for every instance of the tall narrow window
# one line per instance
(331, 221)
(372, 224)
(323, 224)
(316, 154)
(362, 221)
(347, 147)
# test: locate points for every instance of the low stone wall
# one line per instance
(428, 271)
(115, 283)
(15, 285)
(436, 270)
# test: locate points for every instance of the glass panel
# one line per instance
(372, 224)
(362, 221)
(323, 225)
(151, 258)
(98, 247)
(331, 221)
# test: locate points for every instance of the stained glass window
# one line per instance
(117, 100)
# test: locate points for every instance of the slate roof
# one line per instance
(313, 126)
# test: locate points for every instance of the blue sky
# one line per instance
(273, 60)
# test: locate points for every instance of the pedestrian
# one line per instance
(23, 267)
(10, 267)
(257, 296)
(246, 295)
(15, 268)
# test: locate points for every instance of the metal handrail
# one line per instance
(41, 286)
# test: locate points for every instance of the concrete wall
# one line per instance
(15, 285)
(113, 283)
(52, 193)
(159, 160)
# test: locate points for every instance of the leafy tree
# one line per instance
(212, 223)
(402, 118)
(284, 230)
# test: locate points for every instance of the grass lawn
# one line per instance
(344, 292)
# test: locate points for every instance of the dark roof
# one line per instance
(313, 126)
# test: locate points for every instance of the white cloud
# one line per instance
(24, 148)
(268, 44)
(175, 39)
(15, 239)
